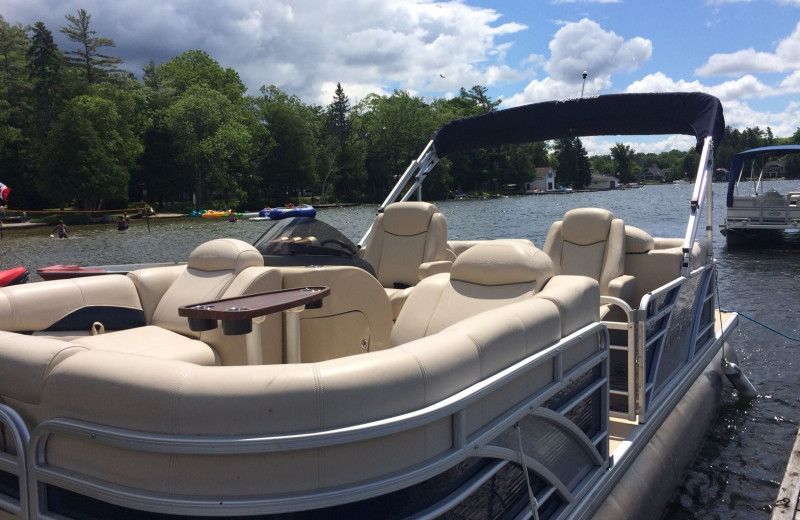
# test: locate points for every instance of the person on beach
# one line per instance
(62, 229)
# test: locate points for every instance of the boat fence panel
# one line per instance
(678, 327)
(13, 469)
(622, 354)
(564, 445)
(570, 410)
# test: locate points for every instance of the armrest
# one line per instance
(70, 304)
(431, 268)
(623, 287)
(577, 299)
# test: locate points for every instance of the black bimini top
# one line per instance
(741, 157)
(687, 113)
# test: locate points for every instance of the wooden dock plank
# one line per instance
(785, 507)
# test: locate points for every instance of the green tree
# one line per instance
(211, 141)
(13, 87)
(339, 116)
(194, 68)
(291, 165)
(395, 128)
(603, 164)
(15, 112)
(574, 168)
(477, 95)
(95, 65)
(44, 71)
(89, 154)
(624, 161)
(341, 151)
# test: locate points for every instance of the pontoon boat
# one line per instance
(469, 378)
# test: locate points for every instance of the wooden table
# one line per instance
(238, 315)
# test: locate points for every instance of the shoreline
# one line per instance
(30, 224)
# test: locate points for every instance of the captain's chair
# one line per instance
(485, 276)
(591, 242)
(408, 241)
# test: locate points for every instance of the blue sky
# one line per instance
(747, 53)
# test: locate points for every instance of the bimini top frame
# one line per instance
(688, 113)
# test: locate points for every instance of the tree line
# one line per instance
(78, 130)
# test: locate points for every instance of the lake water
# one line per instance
(738, 471)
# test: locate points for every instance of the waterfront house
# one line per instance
(602, 182)
(545, 180)
(652, 174)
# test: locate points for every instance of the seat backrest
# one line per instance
(485, 276)
(211, 268)
(655, 261)
(404, 236)
(588, 242)
(356, 316)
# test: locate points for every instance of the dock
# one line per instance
(785, 506)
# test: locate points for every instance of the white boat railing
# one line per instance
(16, 502)
(42, 473)
(702, 187)
(673, 326)
(678, 328)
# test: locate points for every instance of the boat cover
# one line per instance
(689, 113)
(739, 158)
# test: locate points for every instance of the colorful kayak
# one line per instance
(14, 276)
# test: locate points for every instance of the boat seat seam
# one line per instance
(177, 393)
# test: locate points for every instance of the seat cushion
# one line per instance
(486, 276)
(154, 342)
(26, 363)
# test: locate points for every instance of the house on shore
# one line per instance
(545, 180)
(652, 174)
(603, 182)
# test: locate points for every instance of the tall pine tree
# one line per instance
(87, 56)
(44, 66)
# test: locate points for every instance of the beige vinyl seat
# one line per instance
(221, 268)
(485, 276)
(356, 316)
(655, 261)
(591, 242)
(216, 269)
(408, 241)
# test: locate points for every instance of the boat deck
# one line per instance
(786, 504)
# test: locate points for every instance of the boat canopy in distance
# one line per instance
(688, 113)
(741, 157)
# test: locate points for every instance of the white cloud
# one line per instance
(303, 46)
(603, 145)
(795, 3)
(783, 124)
(585, 45)
(786, 57)
(577, 47)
